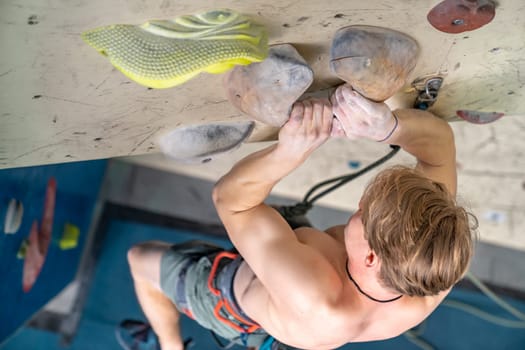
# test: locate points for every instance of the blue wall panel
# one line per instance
(78, 186)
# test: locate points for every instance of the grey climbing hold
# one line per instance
(202, 143)
(267, 90)
(13, 216)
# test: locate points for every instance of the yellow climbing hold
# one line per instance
(165, 53)
(69, 238)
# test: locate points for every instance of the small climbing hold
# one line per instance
(13, 216)
(458, 16)
(32, 20)
(495, 216)
(478, 117)
(34, 259)
(354, 164)
(22, 250)
(70, 237)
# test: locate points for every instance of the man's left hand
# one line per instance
(360, 117)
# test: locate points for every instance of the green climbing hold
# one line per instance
(22, 250)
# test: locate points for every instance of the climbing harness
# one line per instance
(220, 283)
(223, 288)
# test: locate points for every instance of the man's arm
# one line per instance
(261, 235)
(420, 133)
(431, 141)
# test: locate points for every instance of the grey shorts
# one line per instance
(184, 272)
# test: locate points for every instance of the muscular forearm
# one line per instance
(428, 138)
(250, 181)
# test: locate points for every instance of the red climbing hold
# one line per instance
(457, 16)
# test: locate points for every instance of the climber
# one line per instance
(374, 278)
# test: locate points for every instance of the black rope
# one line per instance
(306, 204)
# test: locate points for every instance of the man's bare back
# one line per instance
(353, 318)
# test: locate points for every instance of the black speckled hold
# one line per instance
(201, 143)
(32, 20)
(36, 97)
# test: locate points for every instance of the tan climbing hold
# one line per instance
(375, 61)
(266, 91)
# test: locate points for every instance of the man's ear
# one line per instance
(371, 259)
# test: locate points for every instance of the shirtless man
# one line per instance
(374, 278)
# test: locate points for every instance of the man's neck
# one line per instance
(379, 295)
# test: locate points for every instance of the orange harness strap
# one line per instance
(244, 325)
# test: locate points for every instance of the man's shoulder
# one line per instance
(398, 317)
(335, 232)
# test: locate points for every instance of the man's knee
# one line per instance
(144, 259)
(135, 254)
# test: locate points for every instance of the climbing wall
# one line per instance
(61, 101)
(76, 187)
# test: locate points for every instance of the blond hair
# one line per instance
(423, 238)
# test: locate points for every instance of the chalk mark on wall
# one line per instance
(150, 134)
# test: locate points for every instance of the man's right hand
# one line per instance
(360, 117)
(308, 128)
